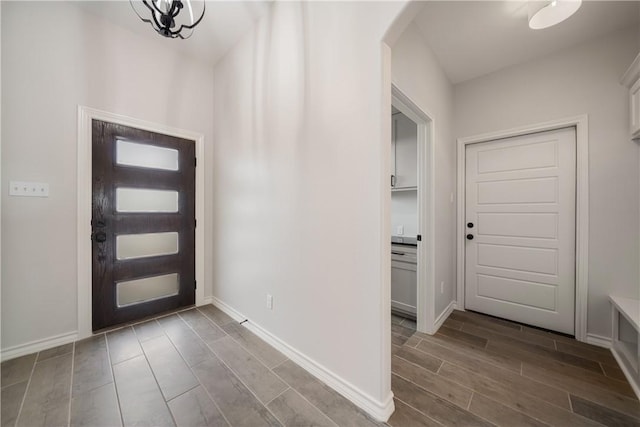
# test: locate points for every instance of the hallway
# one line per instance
(199, 367)
(479, 370)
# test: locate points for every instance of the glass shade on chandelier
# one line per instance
(544, 14)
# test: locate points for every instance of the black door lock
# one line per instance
(100, 236)
(470, 224)
(469, 236)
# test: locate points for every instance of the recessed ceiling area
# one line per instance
(223, 25)
(474, 38)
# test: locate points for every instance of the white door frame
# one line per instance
(581, 124)
(84, 177)
(425, 304)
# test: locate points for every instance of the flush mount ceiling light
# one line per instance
(163, 16)
(544, 14)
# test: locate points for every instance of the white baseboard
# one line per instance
(634, 381)
(599, 340)
(232, 312)
(443, 316)
(380, 411)
(207, 300)
(37, 345)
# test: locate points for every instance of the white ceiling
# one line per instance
(469, 38)
(474, 38)
(223, 25)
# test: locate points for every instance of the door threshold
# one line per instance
(522, 324)
(142, 320)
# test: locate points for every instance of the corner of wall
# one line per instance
(380, 410)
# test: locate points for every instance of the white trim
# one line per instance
(84, 178)
(232, 312)
(628, 373)
(383, 328)
(599, 340)
(628, 361)
(426, 297)
(581, 124)
(632, 74)
(443, 316)
(381, 411)
(37, 345)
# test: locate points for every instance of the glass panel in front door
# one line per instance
(146, 156)
(147, 289)
(145, 200)
(131, 246)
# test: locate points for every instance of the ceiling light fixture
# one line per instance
(163, 16)
(544, 14)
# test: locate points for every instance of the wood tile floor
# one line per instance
(199, 367)
(479, 370)
(194, 368)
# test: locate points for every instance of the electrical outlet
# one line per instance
(269, 302)
(441, 287)
(400, 230)
(28, 189)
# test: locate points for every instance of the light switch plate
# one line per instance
(399, 230)
(28, 189)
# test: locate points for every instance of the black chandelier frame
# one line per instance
(166, 22)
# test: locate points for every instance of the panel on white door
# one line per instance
(534, 260)
(517, 292)
(520, 198)
(515, 191)
(519, 157)
(516, 224)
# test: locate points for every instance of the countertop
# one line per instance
(403, 240)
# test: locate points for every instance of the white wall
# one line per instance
(404, 212)
(300, 177)
(584, 79)
(55, 57)
(416, 72)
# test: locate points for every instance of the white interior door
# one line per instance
(520, 226)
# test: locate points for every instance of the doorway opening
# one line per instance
(520, 225)
(86, 116)
(580, 124)
(412, 232)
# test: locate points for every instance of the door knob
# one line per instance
(469, 236)
(100, 236)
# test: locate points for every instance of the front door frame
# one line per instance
(581, 123)
(84, 191)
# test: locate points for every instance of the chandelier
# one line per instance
(170, 18)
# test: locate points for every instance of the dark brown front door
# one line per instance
(143, 222)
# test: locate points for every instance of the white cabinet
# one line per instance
(404, 153)
(403, 279)
(635, 110)
(626, 338)
(631, 79)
